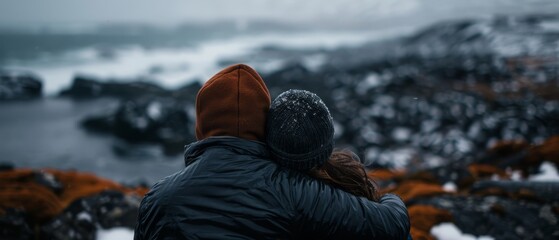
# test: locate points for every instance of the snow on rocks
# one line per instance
(449, 231)
(548, 172)
(118, 233)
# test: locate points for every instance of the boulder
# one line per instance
(536, 191)
(82, 218)
(156, 120)
(90, 87)
(14, 225)
(19, 85)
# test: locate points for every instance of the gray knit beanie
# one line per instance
(300, 130)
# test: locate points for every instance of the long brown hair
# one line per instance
(344, 170)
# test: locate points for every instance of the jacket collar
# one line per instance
(238, 145)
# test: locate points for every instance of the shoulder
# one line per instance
(294, 185)
(162, 187)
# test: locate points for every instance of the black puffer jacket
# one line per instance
(231, 190)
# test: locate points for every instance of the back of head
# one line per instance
(300, 130)
(234, 102)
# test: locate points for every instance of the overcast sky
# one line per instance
(66, 12)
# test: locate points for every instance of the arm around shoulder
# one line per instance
(327, 212)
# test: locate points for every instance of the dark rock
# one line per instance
(13, 225)
(133, 152)
(6, 166)
(147, 113)
(538, 191)
(502, 218)
(455, 172)
(89, 87)
(156, 120)
(19, 85)
(82, 218)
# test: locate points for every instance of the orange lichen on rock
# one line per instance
(385, 174)
(424, 217)
(480, 171)
(424, 176)
(78, 185)
(526, 156)
(547, 151)
(17, 175)
(504, 148)
(420, 235)
(38, 201)
(20, 189)
(415, 189)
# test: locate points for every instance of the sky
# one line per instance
(37, 13)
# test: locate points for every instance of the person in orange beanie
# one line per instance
(231, 189)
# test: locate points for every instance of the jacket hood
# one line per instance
(234, 102)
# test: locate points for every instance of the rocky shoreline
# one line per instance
(506, 196)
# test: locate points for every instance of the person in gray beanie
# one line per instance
(300, 130)
(300, 136)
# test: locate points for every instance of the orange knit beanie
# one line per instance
(234, 102)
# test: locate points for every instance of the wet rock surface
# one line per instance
(85, 87)
(155, 120)
(54, 204)
(145, 113)
(16, 85)
(13, 225)
(88, 87)
(82, 218)
(493, 199)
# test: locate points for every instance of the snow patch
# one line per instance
(338, 130)
(450, 187)
(154, 110)
(449, 231)
(84, 216)
(401, 134)
(548, 172)
(371, 81)
(118, 233)
(516, 175)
